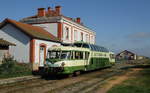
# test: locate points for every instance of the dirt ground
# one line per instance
(117, 80)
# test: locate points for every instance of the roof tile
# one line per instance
(32, 31)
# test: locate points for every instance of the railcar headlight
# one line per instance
(48, 63)
(63, 64)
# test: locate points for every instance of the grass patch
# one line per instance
(138, 84)
(11, 68)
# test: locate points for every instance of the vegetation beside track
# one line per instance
(137, 84)
(10, 68)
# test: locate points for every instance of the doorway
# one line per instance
(42, 55)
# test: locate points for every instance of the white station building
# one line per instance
(34, 35)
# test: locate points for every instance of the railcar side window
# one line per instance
(86, 55)
(72, 55)
(78, 55)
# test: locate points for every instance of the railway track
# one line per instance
(78, 84)
(87, 85)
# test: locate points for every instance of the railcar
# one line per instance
(77, 58)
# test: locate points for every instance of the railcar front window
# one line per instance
(54, 54)
(59, 54)
(65, 55)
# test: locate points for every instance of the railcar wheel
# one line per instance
(85, 69)
(77, 73)
(70, 75)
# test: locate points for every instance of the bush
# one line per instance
(10, 68)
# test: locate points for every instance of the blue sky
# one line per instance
(119, 24)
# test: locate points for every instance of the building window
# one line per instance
(91, 39)
(87, 38)
(75, 35)
(67, 33)
(81, 36)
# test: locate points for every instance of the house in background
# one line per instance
(141, 57)
(4, 48)
(126, 55)
(67, 29)
(34, 35)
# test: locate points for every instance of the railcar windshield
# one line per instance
(65, 55)
(59, 54)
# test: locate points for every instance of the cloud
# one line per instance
(140, 35)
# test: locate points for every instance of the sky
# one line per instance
(119, 24)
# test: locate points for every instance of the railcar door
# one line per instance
(86, 58)
(79, 60)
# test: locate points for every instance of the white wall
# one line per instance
(50, 27)
(72, 27)
(53, 28)
(37, 47)
(22, 49)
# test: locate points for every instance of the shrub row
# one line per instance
(11, 68)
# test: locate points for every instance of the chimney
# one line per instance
(58, 10)
(78, 20)
(41, 12)
(49, 10)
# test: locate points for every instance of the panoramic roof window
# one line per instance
(85, 46)
(78, 44)
(92, 47)
(96, 48)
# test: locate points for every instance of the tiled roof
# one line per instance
(32, 31)
(6, 43)
(51, 16)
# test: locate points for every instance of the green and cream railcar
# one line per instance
(112, 58)
(68, 59)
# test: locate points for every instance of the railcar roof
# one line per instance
(111, 52)
(68, 48)
(91, 47)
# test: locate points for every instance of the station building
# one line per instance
(67, 29)
(32, 36)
